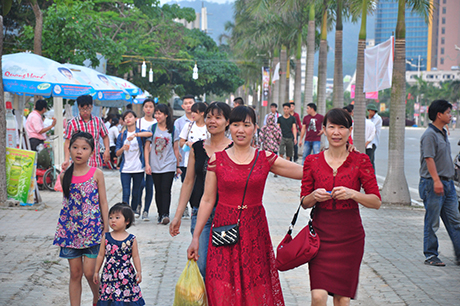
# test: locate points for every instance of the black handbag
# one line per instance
(230, 234)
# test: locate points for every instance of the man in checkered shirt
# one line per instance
(85, 122)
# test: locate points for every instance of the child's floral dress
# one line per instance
(118, 280)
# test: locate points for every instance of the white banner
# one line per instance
(378, 66)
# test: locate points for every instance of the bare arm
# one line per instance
(44, 130)
(137, 261)
(302, 134)
(99, 261)
(177, 154)
(286, 168)
(185, 193)
(437, 184)
(206, 206)
(182, 142)
(104, 206)
(66, 162)
(147, 149)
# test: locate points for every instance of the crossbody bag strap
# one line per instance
(294, 219)
(246, 186)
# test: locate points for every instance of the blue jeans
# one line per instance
(204, 240)
(309, 146)
(126, 187)
(444, 206)
(147, 184)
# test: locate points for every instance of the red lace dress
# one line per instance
(338, 222)
(244, 273)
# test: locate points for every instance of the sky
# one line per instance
(215, 1)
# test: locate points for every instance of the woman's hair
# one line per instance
(240, 113)
(148, 101)
(125, 210)
(67, 180)
(169, 120)
(114, 121)
(198, 107)
(338, 116)
(220, 108)
(129, 111)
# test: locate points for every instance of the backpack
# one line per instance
(154, 127)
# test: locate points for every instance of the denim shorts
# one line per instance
(70, 253)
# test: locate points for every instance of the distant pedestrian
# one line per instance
(119, 284)
(436, 187)
(238, 102)
(187, 102)
(162, 159)
(83, 217)
(289, 131)
(35, 128)
(87, 123)
(312, 130)
(274, 111)
(130, 148)
(298, 126)
(113, 135)
(377, 121)
(270, 135)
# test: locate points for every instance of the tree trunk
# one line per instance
(322, 65)
(360, 102)
(338, 64)
(288, 76)
(283, 67)
(298, 76)
(38, 27)
(3, 194)
(308, 92)
(395, 189)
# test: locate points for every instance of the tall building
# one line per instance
(416, 32)
(436, 42)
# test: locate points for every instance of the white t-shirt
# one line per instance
(132, 156)
(113, 135)
(143, 124)
(196, 133)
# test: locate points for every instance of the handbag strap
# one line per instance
(294, 220)
(245, 187)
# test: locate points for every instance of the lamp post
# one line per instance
(418, 86)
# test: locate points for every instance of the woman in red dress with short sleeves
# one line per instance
(242, 274)
(331, 182)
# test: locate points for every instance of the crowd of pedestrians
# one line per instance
(211, 147)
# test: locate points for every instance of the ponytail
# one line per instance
(66, 181)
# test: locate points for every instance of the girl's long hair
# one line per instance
(169, 120)
(67, 180)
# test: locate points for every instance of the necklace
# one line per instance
(239, 161)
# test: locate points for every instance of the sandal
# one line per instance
(434, 261)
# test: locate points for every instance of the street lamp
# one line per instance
(418, 83)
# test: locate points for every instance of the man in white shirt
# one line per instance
(187, 102)
(377, 121)
(273, 110)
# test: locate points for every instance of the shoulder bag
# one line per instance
(292, 253)
(230, 234)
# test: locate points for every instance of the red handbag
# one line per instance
(292, 253)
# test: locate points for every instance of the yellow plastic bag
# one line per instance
(190, 289)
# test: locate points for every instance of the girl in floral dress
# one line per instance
(120, 283)
(83, 217)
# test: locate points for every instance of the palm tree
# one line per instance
(308, 92)
(395, 189)
(283, 75)
(3, 194)
(338, 64)
(322, 62)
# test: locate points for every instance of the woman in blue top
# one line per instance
(130, 145)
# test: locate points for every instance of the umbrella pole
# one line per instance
(59, 132)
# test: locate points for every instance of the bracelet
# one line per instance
(301, 200)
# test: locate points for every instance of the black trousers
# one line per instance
(34, 142)
(163, 183)
(371, 153)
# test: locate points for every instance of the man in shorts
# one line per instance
(289, 132)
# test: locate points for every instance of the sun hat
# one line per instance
(371, 106)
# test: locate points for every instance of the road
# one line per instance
(411, 156)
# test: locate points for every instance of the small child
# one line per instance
(83, 217)
(120, 283)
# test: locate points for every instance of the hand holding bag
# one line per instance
(292, 253)
(230, 234)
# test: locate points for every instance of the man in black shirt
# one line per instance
(289, 131)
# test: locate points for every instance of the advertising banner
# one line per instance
(19, 174)
(265, 85)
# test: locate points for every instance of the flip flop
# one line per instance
(434, 261)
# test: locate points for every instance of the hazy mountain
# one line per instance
(220, 13)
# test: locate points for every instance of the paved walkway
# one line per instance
(392, 272)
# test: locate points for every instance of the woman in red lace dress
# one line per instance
(331, 182)
(243, 273)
